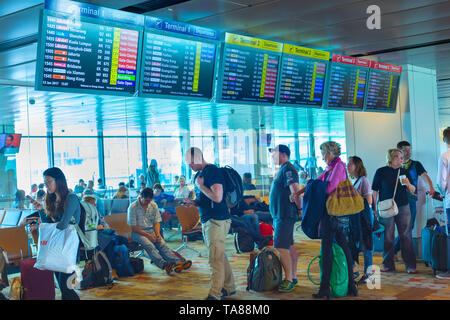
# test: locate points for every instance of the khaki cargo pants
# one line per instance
(214, 234)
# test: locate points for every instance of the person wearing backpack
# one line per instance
(216, 220)
(285, 214)
(60, 206)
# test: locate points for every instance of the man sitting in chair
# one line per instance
(143, 217)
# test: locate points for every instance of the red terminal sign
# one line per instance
(385, 66)
(351, 60)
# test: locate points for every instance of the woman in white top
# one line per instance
(356, 170)
(182, 191)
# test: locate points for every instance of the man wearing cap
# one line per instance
(285, 213)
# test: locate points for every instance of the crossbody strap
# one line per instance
(396, 183)
(395, 189)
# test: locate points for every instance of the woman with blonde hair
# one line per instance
(333, 228)
(390, 179)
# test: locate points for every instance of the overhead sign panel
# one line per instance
(178, 60)
(347, 83)
(383, 87)
(302, 76)
(249, 69)
(84, 48)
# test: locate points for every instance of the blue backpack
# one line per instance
(119, 256)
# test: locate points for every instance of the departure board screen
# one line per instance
(302, 76)
(249, 69)
(383, 87)
(87, 55)
(176, 66)
(347, 86)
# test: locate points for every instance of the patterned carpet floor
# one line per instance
(193, 284)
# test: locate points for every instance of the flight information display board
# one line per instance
(302, 76)
(175, 66)
(347, 85)
(249, 70)
(383, 86)
(80, 50)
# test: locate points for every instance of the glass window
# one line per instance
(288, 141)
(31, 162)
(235, 151)
(123, 160)
(206, 144)
(77, 158)
(167, 153)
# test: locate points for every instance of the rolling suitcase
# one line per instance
(440, 247)
(37, 284)
(426, 237)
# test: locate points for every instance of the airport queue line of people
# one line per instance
(393, 180)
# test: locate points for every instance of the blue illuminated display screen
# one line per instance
(347, 86)
(177, 66)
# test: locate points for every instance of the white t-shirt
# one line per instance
(443, 176)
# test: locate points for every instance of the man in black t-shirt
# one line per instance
(416, 170)
(215, 218)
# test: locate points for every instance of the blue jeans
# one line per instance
(448, 219)
(412, 200)
(334, 229)
(368, 254)
(158, 252)
(403, 222)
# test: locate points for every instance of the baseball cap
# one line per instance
(281, 148)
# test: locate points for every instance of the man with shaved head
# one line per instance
(215, 218)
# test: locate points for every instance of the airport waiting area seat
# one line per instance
(189, 218)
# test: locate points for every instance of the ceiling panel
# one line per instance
(9, 7)
(194, 10)
(19, 25)
(337, 25)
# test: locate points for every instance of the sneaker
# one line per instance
(225, 293)
(295, 282)
(411, 270)
(209, 297)
(444, 276)
(286, 286)
(182, 265)
(169, 267)
(363, 279)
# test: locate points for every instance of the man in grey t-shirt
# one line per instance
(284, 214)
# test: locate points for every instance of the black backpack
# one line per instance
(243, 241)
(233, 189)
(97, 272)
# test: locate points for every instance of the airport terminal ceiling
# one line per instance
(413, 32)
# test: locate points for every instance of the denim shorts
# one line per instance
(283, 236)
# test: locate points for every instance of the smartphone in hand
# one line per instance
(33, 201)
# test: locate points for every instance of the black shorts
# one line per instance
(283, 236)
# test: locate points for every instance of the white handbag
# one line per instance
(57, 249)
(388, 208)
